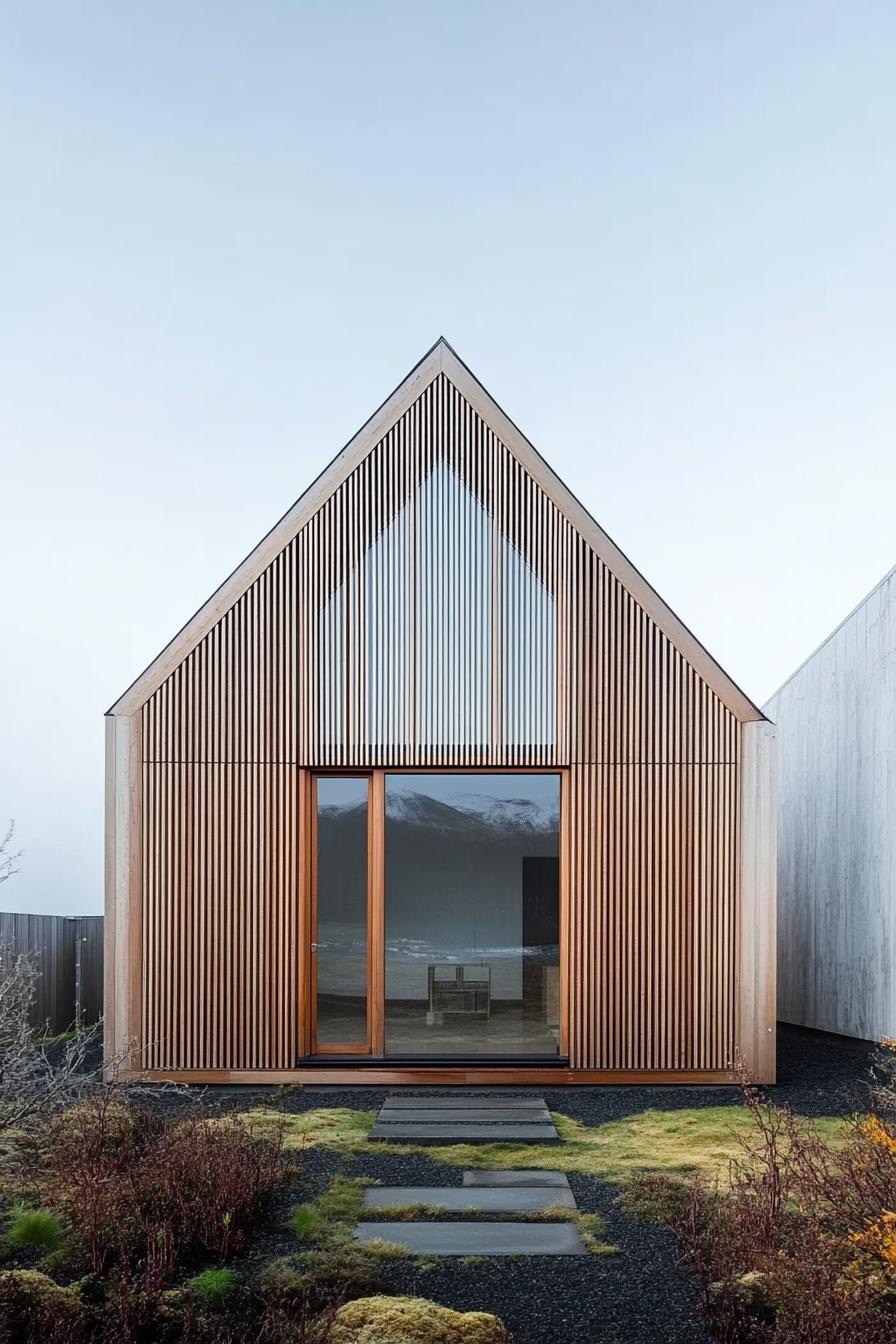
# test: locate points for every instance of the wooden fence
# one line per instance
(69, 953)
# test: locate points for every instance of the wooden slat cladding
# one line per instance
(653, 922)
(439, 609)
(220, 954)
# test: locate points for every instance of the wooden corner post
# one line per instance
(758, 900)
(122, 948)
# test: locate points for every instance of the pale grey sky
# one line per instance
(662, 234)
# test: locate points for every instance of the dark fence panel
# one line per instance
(91, 969)
(69, 954)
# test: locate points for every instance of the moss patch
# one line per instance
(325, 1127)
(684, 1141)
(343, 1199)
(412, 1320)
(33, 1306)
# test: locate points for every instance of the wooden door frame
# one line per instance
(308, 917)
(374, 1046)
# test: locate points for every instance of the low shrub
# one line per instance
(135, 1190)
(34, 1228)
(412, 1320)
(800, 1246)
(320, 1281)
(331, 1278)
(206, 1180)
(35, 1310)
(213, 1287)
(288, 1311)
(89, 1168)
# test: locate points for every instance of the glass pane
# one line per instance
(342, 912)
(472, 915)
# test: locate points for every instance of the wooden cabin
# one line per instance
(836, 719)
(435, 788)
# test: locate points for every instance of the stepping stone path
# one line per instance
(434, 1120)
(470, 1199)
(460, 1119)
(478, 1238)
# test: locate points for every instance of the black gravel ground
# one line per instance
(641, 1295)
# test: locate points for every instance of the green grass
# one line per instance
(62, 1038)
(425, 1264)
(343, 1199)
(328, 1224)
(38, 1229)
(682, 1142)
(305, 1221)
(213, 1287)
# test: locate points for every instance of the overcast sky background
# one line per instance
(661, 234)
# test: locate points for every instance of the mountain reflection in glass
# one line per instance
(472, 915)
(341, 937)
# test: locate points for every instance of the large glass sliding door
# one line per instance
(472, 915)
(435, 915)
(339, 915)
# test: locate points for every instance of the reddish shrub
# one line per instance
(801, 1248)
(137, 1191)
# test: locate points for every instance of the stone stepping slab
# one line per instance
(503, 1179)
(522, 1132)
(494, 1238)
(469, 1199)
(493, 1116)
(405, 1103)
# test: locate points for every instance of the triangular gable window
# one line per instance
(460, 633)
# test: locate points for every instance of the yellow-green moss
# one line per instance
(324, 1127)
(698, 1139)
(31, 1301)
(412, 1320)
(343, 1199)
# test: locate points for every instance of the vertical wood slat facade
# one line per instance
(359, 610)
(439, 608)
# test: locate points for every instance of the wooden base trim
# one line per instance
(463, 1077)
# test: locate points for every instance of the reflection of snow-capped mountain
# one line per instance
(517, 814)
(472, 810)
(464, 812)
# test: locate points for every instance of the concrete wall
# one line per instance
(836, 720)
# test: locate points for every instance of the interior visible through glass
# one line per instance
(472, 914)
(341, 951)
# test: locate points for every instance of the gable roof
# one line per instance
(441, 358)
